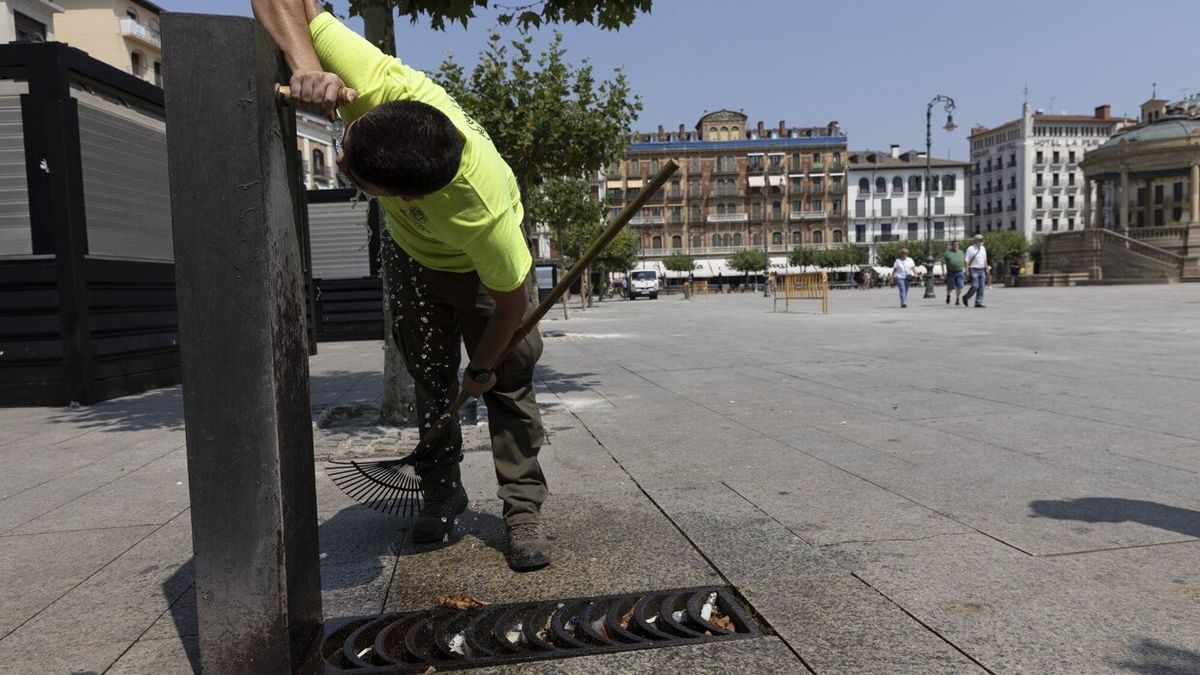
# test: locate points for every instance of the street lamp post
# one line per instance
(766, 244)
(950, 126)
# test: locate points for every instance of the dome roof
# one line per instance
(1165, 129)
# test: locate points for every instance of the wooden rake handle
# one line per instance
(564, 284)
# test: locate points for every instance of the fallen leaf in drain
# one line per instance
(456, 601)
(627, 617)
(719, 620)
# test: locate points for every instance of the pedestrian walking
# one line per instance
(1014, 271)
(954, 260)
(902, 270)
(977, 267)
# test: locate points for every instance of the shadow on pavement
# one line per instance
(355, 545)
(1155, 658)
(1116, 510)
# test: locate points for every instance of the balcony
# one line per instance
(729, 169)
(817, 167)
(837, 189)
(817, 188)
(675, 196)
(728, 217)
(647, 220)
(136, 30)
(836, 167)
(807, 215)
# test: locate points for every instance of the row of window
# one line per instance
(728, 163)
(735, 239)
(675, 213)
(1071, 130)
(913, 231)
(944, 183)
(885, 207)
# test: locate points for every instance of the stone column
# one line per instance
(1195, 194)
(1123, 222)
(1087, 203)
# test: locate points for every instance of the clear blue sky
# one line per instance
(871, 65)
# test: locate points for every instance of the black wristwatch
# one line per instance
(478, 376)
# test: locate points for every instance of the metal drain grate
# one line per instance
(449, 639)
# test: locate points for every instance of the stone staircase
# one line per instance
(1107, 256)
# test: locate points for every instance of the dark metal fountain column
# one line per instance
(238, 262)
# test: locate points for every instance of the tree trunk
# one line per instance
(398, 406)
(562, 265)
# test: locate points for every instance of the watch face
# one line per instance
(481, 376)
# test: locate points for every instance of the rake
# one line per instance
(393, 486)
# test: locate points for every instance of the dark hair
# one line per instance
(407, 147)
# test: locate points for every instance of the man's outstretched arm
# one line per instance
(286, 21)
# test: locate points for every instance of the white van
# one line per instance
(643, 282)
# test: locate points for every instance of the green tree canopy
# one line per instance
(566, 206)
(834, 257)
(748, 260)
(1004, 245)
(547, 117)
(607, 14)
(680, 262)
(889, 251)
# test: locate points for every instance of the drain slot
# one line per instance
(445, 639)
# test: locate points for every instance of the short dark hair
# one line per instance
(407, 147)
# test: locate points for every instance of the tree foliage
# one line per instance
(834, 257)
(548, 118)
(889, 251)
(1004, 245)
(680, 262)
(748, 260)
(606, 14)
(566, 206)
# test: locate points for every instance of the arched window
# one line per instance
(737, 238)
(318, 163)
(712, 133)
(914, 183)
(897, 184)
(948, 182)
(864, 185)
(716, 240)
(137, 65)
(798, 236)
(725, 240)
(776, 238)
(656, 242)
(724, 133)
(934, 181)
(881, 184)
(736, 131)
(676, 241)
(697, 241)
(817, 236)
(721, 208)
(837, 236)
(756, 239)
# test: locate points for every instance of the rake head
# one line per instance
(389, 486)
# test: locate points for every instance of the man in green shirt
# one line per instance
(954, 261)
(456, 256)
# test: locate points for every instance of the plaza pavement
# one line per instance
(927, 490)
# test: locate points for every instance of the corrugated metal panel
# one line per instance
(15, 237)
(338, 236)
(125, 189)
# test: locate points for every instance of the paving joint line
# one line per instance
(1117, 548)
(700, 552)
(170, 606)
(93, 574)
(861, 580)
(842, 469)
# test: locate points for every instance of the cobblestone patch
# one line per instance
(356, 432)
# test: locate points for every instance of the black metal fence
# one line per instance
(87, 280)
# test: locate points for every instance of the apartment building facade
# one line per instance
(1026, 175)
(738, 187)
(889, 198)
(28, 20)
(122, 33)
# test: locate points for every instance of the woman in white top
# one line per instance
(903, 270)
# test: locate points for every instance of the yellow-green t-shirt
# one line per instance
(474, 223)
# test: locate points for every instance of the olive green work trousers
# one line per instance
(433, 313)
